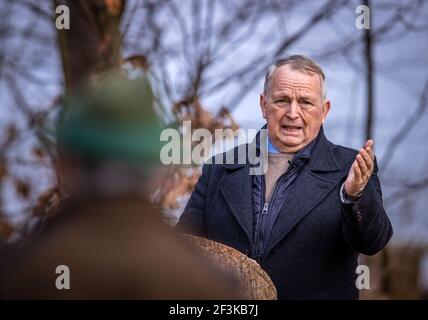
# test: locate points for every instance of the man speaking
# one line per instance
(318, 205)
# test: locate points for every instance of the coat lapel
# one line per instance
(307, 191)
(236, 189)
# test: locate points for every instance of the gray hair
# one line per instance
(300, 63)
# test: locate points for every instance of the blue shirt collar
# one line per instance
(305, 152)
(271, 147)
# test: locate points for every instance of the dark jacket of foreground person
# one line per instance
(115, 248)
(315, 241)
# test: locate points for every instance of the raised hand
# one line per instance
(361, 170)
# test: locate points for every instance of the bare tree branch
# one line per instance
(258, 66)
(409, 189)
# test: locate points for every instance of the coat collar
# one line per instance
(320, 160)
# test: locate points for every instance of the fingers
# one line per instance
(368, 146)
(357, 171)
(370, 153)
(362, 166)
(367, 159)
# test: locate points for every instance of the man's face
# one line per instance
(294, 108)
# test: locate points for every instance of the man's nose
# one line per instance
(292, 110)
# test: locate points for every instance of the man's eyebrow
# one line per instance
(280, 95)
(306, 97)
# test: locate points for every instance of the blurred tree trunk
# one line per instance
(369, 59)
(369, 77)
(89, 48)
(92, 45)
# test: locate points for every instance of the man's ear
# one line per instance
(263, 105)
(325, 109)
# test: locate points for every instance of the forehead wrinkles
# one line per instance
(302, 84)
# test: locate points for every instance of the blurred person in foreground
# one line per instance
(318, 205)
(111, 238)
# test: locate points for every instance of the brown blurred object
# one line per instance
(93, 45)
(22, 188)
(38, 152)
(191, 109)
(48, 204)
(137, 62)
(114, 7)
(400, 279)
(3, 171)
(6, 229)
(183, 179)
(254, 283)
(115, 247)
(181, 183)
(11, 135)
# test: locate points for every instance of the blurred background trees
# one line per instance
(207, 59)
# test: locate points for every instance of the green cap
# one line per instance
(114, 120)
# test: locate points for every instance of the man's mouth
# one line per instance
(290, 128)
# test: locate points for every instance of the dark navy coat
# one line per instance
(315, 242)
